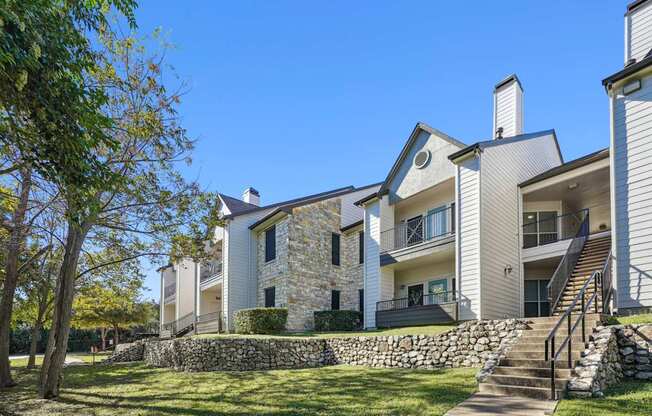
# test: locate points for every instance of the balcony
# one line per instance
(419, 309)
(437, 225)
(541, 228)
(210, 273)
(169, 293)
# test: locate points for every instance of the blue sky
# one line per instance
(297, 97)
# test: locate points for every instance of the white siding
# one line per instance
(468, 238)
(350, 212)
(371, 263)
(639, 32)
(632, 142)
(508, 109)
(503, 167)
(185, 288)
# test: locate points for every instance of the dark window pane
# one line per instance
(543, 289)
(270, 297)
(335, 300)
(548, 222)
(529, 222)
(361, 299)
(529, 240)
(335, 249)
(531, 290)
(270, 243)
(531, 309)
(361, 246)
(545, 309)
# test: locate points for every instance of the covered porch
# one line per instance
(419, 291)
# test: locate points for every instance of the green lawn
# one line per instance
(136, 389)
(412, 330)
(629, 398)
(644, 318)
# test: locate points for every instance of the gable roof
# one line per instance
(241, 207)
(628, 70)
(406, 148)
(565, 167)
(507, 140)
(287, 207)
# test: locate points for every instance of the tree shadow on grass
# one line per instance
(629, 398)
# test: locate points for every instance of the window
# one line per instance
(361, 246)
(539, 228)
(361, 300)
(270, 243)
(536, 298)
(335, 249)
(270, 297)
(335, 300)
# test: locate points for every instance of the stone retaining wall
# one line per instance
(635, 342)
(470, 344)
(600, 365)
(128, 352)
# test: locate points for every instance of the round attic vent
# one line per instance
(421, 159)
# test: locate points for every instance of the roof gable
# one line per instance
(420, 134)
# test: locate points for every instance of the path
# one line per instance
(70, 359)
(490, 404)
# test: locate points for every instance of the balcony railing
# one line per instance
(170, 290)
(210, 270)
(436, 225)
(415, 301)
(553, 228)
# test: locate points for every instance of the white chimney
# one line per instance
(638, 30)
(251, 196)
(508, 108)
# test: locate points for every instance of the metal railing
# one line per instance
(210, 270)
(551, 353)
(185, 322)
(170, 326)
(436, 225)
(211, 317)
(551, 230)
(607, 285)
(170, 290)
(414, 301)
(567, 265)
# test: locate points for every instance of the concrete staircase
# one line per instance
(593, 257)
(524, 371)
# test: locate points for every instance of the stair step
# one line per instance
(525, 381)
(539, 355)
(540, 363)
(530, 392)
(540, 346)
(531, 372)
(577, 338)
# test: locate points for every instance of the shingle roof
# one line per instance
(237, 206)
(498, 142)
(629, 70)
(565, 167)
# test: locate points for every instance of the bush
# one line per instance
(260, 320)
(338, 320)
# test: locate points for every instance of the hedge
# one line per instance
(338, 320)
(260, 320)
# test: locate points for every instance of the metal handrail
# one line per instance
(407, 302)
(210, 269)
(185, 322)
(170, 326)
(566, 266)
(607, 284)
(421, 230)
(550, 353)
(210, 317)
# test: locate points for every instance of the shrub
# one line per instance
(260, 320)
(338, 320)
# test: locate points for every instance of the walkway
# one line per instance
(489, 404)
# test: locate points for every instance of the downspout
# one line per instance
(195, 308)
(612, 197)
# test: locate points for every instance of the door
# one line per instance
(438, 291)
(415, 295)
(437, 223)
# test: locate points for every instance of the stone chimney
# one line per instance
(508, 108)
(251, 196)
(638, 31)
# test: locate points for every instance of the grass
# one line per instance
(644, 318)
(629, 398)
(412, 330)
(85, 357)
(136, 389)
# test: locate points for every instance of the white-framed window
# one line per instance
(539, 228)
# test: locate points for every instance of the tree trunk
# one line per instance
(55, 352)
(103, 337)
(36, 330)
(14, 248)
(116, 337)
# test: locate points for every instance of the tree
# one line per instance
(149, 209)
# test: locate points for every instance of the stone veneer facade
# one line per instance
(302, 272)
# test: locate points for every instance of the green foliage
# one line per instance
(338, 320)
(49, 110)
(79, 340)
(260, 320)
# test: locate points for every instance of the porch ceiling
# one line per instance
(587, 186)
(442, 254)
